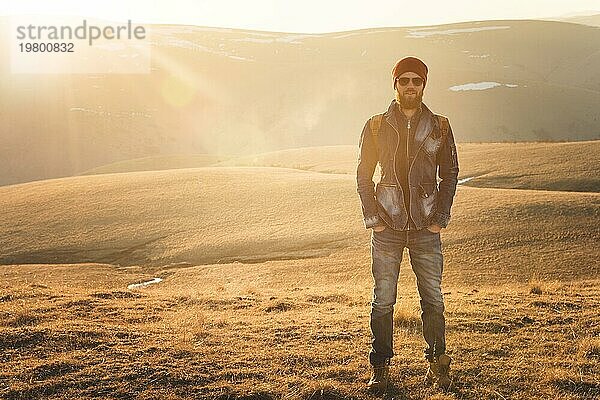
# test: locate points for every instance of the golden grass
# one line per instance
(156, 218)
(157, 163)
(254, 214)
(407, 317)
(589, 347)
(265, 296)
(568, 166)
(538, 285)
(202, 333)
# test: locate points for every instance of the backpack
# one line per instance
(375, 126)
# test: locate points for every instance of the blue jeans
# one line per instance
(425, 250)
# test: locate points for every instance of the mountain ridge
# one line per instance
(231, 92)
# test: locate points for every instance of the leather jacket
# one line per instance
(429, 150)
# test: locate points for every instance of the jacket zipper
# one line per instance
(408, 174)
(410, 164)
(394, 161)
(413, 161)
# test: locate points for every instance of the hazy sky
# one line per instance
(310, 16)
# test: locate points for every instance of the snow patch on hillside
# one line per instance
(424, 32)
(480, 86)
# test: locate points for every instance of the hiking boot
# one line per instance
(439, 372)
(379, 378)
(444, 380)
(432, 372)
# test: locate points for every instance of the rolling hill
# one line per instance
(251, 214)
(564, 166)
(239, 92)
(253, 282)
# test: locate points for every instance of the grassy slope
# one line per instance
(209, 215)
(157, 163)
(569, 166)
(275, 328)
(197, 215)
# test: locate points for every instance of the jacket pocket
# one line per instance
(390, 203)
(428, 198)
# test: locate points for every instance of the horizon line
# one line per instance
(545, 19)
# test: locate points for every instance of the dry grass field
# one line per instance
(563, 166)
(567, 166)
(266, 284)
(157, 163)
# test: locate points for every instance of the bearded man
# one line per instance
(407, 208)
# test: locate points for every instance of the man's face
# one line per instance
(409, 95)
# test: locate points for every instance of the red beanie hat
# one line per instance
(409, 64)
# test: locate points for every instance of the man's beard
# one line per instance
(411, 102)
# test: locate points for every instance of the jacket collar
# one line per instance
(424, 127)
(389, 115)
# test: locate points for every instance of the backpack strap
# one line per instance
(444, 125)
(375, 125)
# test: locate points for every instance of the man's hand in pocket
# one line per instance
(435, 228)
(378, 228)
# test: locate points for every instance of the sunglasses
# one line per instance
(415, 81)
